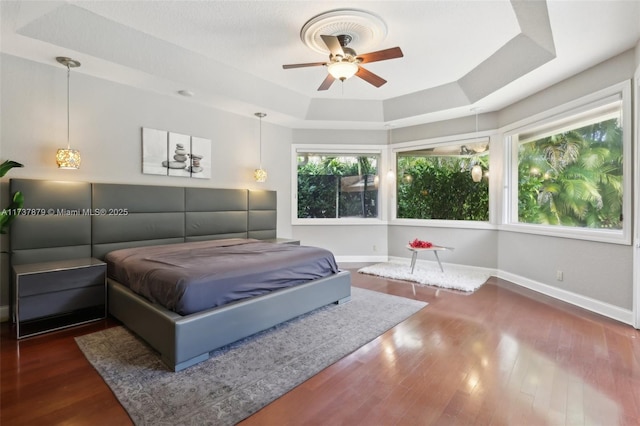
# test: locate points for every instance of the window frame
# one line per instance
(341, 149)
(461, 139)
(566, 113)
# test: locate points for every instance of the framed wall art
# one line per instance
(174, 154)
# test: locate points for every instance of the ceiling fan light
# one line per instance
(343, 70)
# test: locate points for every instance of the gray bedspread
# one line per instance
(191, 277)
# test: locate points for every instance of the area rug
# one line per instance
(453, 277)
(243, 377)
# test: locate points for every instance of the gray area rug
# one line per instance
(243, 377)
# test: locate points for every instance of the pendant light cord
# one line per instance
(260, 142)
(260, 115)
(68, 121)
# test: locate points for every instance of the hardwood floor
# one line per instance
(500, 356)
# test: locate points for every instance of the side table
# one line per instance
(53, 295)
(283, 241)
(434, 249)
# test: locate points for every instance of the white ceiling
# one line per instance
(457, 54)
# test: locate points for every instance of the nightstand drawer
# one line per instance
(66, 279)
(49, 304)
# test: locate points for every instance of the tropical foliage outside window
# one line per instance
(337, 185)
(573, 177)
(437, 183)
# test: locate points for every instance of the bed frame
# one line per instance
(104, 217)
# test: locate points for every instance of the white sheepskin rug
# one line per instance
(455, 278)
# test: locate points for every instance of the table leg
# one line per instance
(438, 259)
(413, 260)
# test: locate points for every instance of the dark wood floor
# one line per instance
(501, 356)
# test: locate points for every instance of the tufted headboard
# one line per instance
(67, 220)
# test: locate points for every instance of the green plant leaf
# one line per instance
(8, 165)
(9, 214)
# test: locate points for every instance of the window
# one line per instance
(570, 173)
(337, 185)
(446, 182)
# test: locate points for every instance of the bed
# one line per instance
(192, 277)
(128, 216)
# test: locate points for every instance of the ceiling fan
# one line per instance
(344, 62)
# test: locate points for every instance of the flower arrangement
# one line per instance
(420, 244)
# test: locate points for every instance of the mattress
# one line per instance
(192, 277)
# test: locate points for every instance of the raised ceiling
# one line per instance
(457, 54)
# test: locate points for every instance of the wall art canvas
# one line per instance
(174, 154)
(200, 158)
(154, 151)
(178, 162)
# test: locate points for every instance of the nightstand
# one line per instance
(283, 241)
(53, 295)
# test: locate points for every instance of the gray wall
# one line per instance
(614, 70)
(106, 122)
(471, 247)
(347, 242)
(596, 270)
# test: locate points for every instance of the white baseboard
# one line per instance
(602, 308)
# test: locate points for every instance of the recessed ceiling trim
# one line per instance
(367, 31)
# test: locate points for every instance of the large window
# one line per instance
(445, 182)
(337, 185)
(571, 172)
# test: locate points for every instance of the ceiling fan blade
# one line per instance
(381, 55)
(333, 44)
(309, 64)
(327, 82)
(370, 77)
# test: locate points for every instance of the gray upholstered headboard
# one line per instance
(67, 220)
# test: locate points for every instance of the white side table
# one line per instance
(434, 249)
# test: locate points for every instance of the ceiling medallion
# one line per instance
(367, 31)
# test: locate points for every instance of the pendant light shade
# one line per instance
(476, 170)
(476, 173)
(260, 175)
(68, 158)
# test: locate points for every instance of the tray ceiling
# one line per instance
(457, 54)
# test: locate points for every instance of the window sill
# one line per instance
(339, 222)
(435, 223)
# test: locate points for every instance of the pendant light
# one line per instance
(260, 175)
(68, 158)
(476, 170)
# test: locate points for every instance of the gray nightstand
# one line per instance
(283, 241)
(53, 295)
